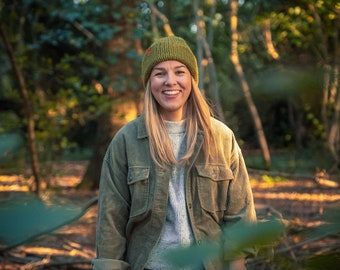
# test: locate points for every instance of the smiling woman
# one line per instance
(173, 177)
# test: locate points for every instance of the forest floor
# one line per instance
(302, 203)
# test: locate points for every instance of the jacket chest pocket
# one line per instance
(138, 180)
(213, 183)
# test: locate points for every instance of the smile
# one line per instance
(171, 92)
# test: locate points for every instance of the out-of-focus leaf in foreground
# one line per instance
(232, 242)
(27, 217)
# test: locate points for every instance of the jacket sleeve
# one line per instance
(113, 208)
(240, 203)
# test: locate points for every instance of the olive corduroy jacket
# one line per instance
(133, 196)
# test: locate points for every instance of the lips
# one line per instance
(171, 92)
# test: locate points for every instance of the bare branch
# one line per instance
(163, 18)
(269, 41)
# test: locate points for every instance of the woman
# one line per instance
(175, 176)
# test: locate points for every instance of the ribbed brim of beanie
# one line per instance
(168, 48)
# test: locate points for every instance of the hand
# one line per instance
(237, 265)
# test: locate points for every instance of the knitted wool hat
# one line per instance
(168, 48)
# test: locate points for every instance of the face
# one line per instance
(170, 83)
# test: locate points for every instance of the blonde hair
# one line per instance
(198, 117)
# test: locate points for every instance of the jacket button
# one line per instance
(189, 205)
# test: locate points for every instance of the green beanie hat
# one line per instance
(168, 48)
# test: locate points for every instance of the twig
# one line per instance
(34, 265)
(290, 248)
(68, 263)
(308, 241)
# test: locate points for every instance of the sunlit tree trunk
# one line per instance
(201, 38)
(268, 41)
(199, 45)
(244, 85)
(334, 130)
(210, 26)
(28, 111)
(156, 13)
(123, 91)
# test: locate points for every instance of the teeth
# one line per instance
(171, 92)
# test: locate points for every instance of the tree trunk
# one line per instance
(124, 110)
(28, 111)
(156, 13)
(244, 85)
(201, 38)
(268, 41)
(333, 137)
(125, 100)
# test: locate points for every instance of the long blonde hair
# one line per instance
(198, 117)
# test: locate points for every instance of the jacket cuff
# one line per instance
(109, 264)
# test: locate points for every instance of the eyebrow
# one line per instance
(161, 68)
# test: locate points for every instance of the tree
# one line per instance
(28, 111)
(202, 41)
(123, 87)
(309, 31)
(244, 85)
(71, 79)
(331, 94)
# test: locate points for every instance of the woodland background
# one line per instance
(70, 78)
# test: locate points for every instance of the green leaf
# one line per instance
(234, 241)
(26, 217)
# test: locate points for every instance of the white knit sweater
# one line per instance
(177, 229)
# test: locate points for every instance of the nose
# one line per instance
(170, 78)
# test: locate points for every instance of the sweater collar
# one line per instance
(142, 132)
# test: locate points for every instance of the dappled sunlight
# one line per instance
(284, 183)
(66, 181)
(62, 176)
(295, 196)
(54, 251)
(304, 201)
(14, 183)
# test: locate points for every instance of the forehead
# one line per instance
(169, 64)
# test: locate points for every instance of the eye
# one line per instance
(158, 73)
(180, 72)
